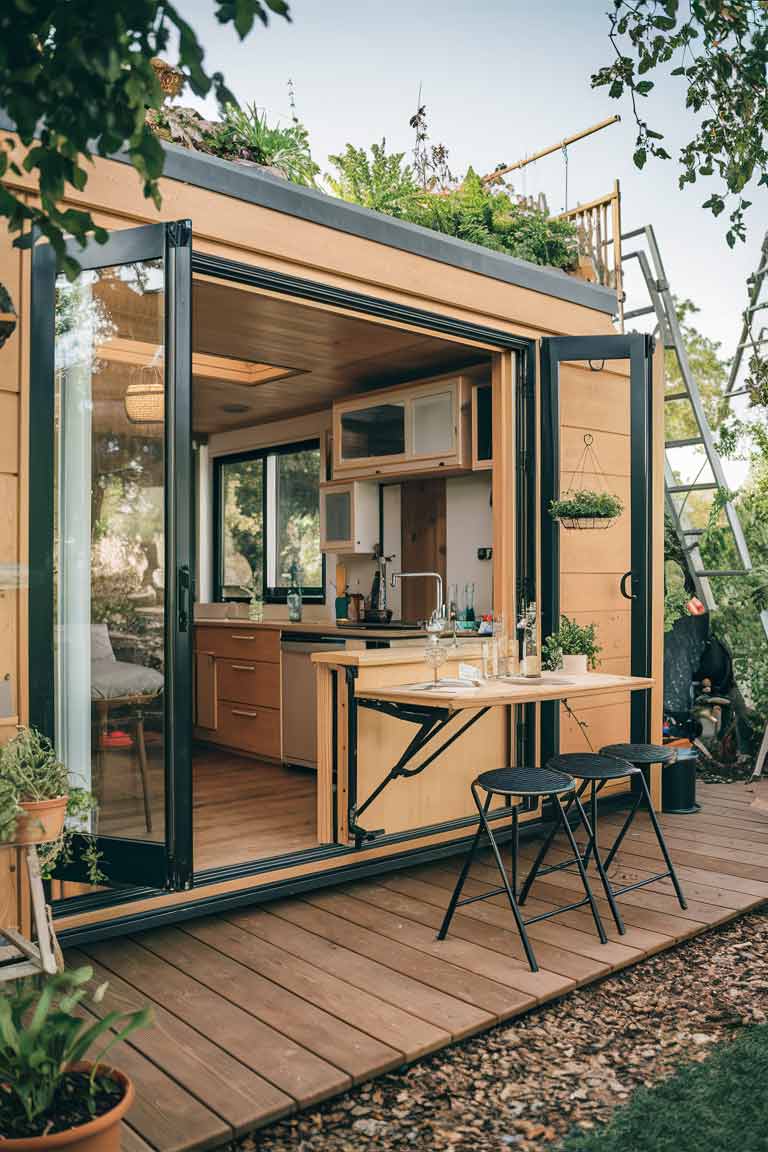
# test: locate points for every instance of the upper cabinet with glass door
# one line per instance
(406, 429)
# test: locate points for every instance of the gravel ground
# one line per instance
(526, 1084)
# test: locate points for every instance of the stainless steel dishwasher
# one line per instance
(299, 695)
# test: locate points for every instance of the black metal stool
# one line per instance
(641, 757)
(526, 782)
(592, 772)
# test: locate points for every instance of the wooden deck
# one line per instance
(262, 1012)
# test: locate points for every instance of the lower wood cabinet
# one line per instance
(237, 689)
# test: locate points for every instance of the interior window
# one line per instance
(269, 523)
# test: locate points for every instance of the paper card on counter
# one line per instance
(470, 672)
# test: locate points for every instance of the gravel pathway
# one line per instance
(526, 1084)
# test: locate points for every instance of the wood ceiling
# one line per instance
(335, 354)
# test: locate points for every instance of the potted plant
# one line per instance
(585, 508)
(51, 1095)
(573, 647)
(36, 799)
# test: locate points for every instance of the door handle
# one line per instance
(623, 587)
(184, 583)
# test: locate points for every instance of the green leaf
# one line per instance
(639, 157)
(643, 87)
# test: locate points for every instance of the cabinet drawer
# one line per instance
(252, 644)
(255, 730)
(249, 682)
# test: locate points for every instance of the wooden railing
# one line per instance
(598, 227)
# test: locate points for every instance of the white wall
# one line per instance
(469, 526)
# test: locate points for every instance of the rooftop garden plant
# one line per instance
(584, 504)
(37, 797)
(571, 639)
(49, 1086)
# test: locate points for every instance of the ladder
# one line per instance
(749, 338)
(662, 305)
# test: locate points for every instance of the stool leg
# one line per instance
(625, 828)
(465, 866)
(662, 842)
(141, 748)
(592, 847)
(540, 855)
(515, 847)
(579, 862)
(529, 955)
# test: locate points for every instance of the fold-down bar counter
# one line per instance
(396, 759)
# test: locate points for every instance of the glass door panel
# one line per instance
(433, 424)
(368, 433)
(119, 576)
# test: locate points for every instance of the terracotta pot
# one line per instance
(575, 665)
(41, 821)
(99, 1135)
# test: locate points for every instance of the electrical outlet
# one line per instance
(485, 553)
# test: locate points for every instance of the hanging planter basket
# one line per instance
(582, 508)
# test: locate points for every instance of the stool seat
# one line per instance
(525, 781)
(640, 753)
(591, 766)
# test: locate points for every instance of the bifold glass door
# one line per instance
(596, 569)
(110, 534)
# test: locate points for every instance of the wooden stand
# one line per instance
(22, 957)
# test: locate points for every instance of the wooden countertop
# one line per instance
(552, 686)
(313, 628)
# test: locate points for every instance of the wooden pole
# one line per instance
(489, 179)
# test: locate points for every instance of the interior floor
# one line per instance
(243, 809)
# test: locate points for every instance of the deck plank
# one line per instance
(301, 1074)
(264, 1010)
(219, 1081)
(163, 1113)
(406, 1034)
(313, 1035)
(412, 996)
(496, 999)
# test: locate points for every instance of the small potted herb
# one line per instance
(585, 508)
(51, 1095)
(573, 647)
(36, 798)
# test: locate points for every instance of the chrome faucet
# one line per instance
(439, 612)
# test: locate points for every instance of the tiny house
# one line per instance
(263, 393)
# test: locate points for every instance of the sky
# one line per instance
(501, 79)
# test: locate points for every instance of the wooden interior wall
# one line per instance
(423, 545)
(593, 562)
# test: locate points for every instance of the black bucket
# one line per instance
(678, 783)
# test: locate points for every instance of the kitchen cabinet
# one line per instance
(237, 688)
(404, 430)
(482, 427)
(349, 517)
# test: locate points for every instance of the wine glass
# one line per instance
(435, 656)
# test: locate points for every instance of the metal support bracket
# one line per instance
(432, 721)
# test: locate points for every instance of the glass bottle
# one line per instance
(294, 598)
(531, 661)
(469, 603)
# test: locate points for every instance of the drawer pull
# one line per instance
(242, 712)
(244, 667)
(236, 637)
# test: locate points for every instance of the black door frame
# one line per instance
(498, 340)
(165, 864)
(637, 348)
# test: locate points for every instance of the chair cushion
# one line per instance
(590, 766)
(525, 781)
(101, 644)
(113, 679)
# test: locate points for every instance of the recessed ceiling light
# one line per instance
(223, 369)
(234, 409)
